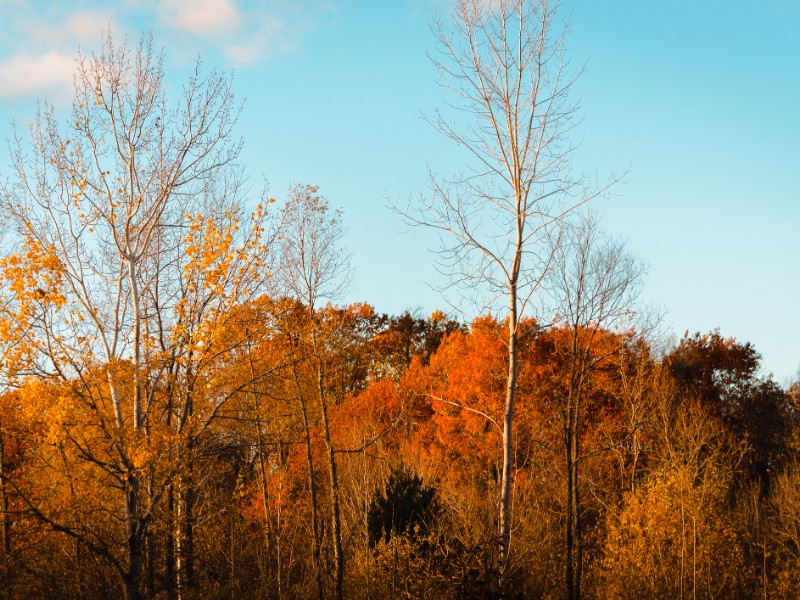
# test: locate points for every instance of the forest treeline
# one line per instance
(186, 413)
(688, 481)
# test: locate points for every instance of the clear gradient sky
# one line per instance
(697, 99)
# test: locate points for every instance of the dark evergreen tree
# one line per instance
(407, 507)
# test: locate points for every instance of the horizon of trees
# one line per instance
(689, 479)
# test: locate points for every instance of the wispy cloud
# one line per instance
(24, 75)
(246, 31)
(269, 33)
(67, 31)
(38, 47)
(213, 19)
(38, 41)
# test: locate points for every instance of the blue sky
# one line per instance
(697, 100)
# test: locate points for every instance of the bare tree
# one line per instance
(596, 284)
(505, 61)
(314, 266)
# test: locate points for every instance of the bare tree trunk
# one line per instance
(334, 483)
(576, 507)
(137, 347)
(570, 540)
(180, 577)
(635, 461)
(270, 570)
(6, 520)
(267, 519)
(150, 553)
(169, 544)
(172, 592)
(134, 526)
(115, 399)
(133, 532)
(572, 422)
(184, 538)
(366, 523)
(683, 543)
(312, 486)
(188, 534)
(4, 499)
(508, 438)
(278, 540)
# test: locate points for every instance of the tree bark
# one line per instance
(6, 520)
(138, 392)
(570, 541)
(169, 549)
(264, 492)
(134, 535)
(334, 483)
(574, 553)
(508, 438)
(312, 486)
(184, 540)
(4, 494)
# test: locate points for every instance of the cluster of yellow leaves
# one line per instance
(219, 273)
(32, 280)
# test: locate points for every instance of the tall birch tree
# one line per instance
(505, 62)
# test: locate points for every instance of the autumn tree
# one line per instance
(723, 375)
(675, 535)
(505, 62)
(129, 221)
(407, 336)
(785, 529)
(454, 406)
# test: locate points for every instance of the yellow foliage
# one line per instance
(675, 534)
